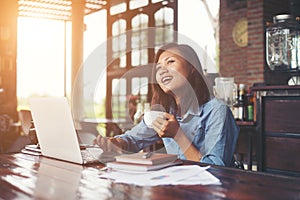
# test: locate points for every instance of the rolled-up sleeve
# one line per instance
(139, 137)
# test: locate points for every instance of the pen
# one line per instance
(147, 155)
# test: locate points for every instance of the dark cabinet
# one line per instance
(278, 115)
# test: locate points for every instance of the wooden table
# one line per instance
(32, 177)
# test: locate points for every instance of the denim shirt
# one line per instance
(212, 130)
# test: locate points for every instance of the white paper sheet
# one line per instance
(177, 175)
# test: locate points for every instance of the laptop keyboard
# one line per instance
(88, 157)
(91, 155)
(95, 154)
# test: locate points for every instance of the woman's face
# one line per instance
(172, 71)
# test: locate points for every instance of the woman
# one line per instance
(194, 125)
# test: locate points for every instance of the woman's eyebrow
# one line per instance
(164, 59)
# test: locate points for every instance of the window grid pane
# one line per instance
(139, 87)
(139, 40)
(119, 98)
(119, 8)
(133, 4)
(119, 43)
(164, 18)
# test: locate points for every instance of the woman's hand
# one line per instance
(166, 125)
(110, 144)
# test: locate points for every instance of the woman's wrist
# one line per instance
(190, 152)
(122, 144)
(178, 136)
(181, 139)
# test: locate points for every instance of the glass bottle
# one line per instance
(235, 105)
(241, 102)
(283, 43)
(250, 106)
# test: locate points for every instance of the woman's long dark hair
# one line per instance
(196, 79)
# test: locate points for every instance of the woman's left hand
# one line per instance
(166, 125)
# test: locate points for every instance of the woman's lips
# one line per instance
(166, 79)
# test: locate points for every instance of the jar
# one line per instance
(282, 43)
(224, 89)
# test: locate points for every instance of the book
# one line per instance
(140, 167)
(32, 149)
(146, 158)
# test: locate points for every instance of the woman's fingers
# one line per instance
(160, 125)
(102, 142)
(115, 145)
(166, 125)
(109, 144)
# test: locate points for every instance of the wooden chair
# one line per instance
(27, 125)
(4, 129)
(25, 120)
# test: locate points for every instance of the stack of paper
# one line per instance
(143, 161)
(176, 175)
(146, 158)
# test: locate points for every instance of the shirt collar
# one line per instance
(194, 109)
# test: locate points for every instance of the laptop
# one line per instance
(56, 131)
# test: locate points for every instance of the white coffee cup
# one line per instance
(150, 116)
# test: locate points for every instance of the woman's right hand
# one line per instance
(111, 144)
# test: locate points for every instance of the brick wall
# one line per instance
(255, 50)
(247, 64)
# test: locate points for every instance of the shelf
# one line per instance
(245, 123)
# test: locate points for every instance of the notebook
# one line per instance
(153, 159)
(142, 162)
(56, 132)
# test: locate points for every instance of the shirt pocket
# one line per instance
(198, 136)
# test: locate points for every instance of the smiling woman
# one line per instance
(193, 124)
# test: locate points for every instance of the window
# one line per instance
(39, 74)
(132, 51)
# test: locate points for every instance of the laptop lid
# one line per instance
(55, 128)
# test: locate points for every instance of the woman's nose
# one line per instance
(163, 70)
